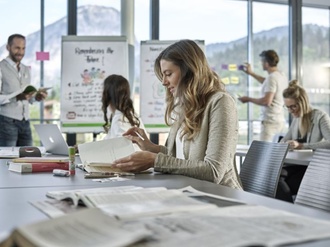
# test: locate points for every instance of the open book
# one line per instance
(27, 89)
(89, 227)
(97, 157)
(125, 201)
(175, 218)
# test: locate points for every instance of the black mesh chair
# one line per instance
(262, 166)
(314, 190)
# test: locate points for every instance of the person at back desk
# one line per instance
(203, 119)
(116, 98)
(310, 129)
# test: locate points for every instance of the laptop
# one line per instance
(52, 139)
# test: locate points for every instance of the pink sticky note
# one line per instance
(42, 56)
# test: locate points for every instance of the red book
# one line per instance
(37, 167)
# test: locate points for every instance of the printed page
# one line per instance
(105, 169)
(74, 195)
(134, 206)
(9, 152)
(232, 226)
(117, 197)
(105, 151)
(89, 227)
(220, 201)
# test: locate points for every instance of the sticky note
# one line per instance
(42, 56)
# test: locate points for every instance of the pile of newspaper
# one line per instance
(136, 216)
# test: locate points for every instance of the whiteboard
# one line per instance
(152, 92)
(86, 62)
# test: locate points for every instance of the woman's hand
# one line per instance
(294, 144)
(138, 136)
(136, 162)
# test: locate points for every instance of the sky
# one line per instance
(210, 20)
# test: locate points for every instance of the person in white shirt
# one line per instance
(116, 99)
(14, 112)
(272, 114)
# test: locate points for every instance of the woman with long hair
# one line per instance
(116, 99)
(203, 120)
(310, 129)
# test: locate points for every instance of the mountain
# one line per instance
(98, 20)
(93, 20)
(277, 32)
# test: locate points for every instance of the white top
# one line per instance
(179, 145)
(119, 125)
(275, 83)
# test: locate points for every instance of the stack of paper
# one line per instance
(173, 217)
(97, 157)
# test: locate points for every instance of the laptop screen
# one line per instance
(52, 139)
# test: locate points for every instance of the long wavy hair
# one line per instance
(197, 84)
(297, 93)
(116, 92)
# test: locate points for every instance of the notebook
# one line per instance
(51, 138)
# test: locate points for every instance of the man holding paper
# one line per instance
(14, 103)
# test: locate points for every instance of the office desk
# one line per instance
(16, 209)
(17, 190)
(292, 157)
(9, 179)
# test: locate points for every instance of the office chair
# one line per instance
(262, 167)
(314, 188)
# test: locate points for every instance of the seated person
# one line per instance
(116, 98)
(310, 129)
(203, 120)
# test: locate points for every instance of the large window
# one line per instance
(142, 33)
(213, 22)
(316, 67)
(55, 27)
(221, 24)
(29, 26)
(270, 32)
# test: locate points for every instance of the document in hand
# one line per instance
(30, 89)
(25, 89)
(87, 227)
(98, 156)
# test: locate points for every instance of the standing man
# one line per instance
(272, 115)
(14, 112)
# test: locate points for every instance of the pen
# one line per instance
(137, 133)
(104, 173)
(90, 175)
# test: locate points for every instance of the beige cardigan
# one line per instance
(211, 154)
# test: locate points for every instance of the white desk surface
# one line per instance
(17, 190)
(297, 157)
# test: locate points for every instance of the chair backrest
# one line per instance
(262, 167)
(314, 190)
